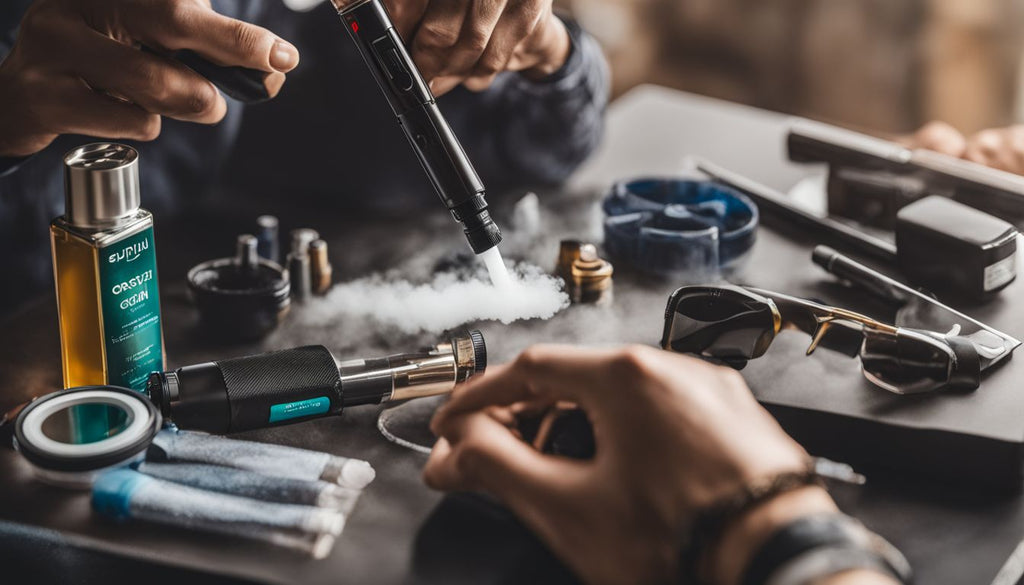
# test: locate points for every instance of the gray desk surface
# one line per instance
(401, 532)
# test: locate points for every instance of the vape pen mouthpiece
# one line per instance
(481, 231)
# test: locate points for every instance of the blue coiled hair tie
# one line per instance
(681, 227)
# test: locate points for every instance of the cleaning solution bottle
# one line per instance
(104, 265)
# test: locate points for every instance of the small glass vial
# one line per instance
(104, 265)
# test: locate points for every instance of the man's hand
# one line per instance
(76, 68)
(673, 434)
(999, 148)
(471, 41)
(937, 136)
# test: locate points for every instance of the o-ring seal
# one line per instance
(75, 465)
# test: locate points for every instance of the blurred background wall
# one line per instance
(879, 65)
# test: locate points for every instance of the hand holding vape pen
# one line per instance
(289, 386)
(436, 147)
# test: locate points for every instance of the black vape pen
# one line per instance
(250, 86)
(428, 132)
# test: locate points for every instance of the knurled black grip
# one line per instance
(291, 385)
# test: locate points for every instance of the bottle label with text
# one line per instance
(131, 310)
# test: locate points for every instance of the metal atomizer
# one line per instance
(293, 385)
(588, 277)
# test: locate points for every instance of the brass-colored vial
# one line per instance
(568, 252)
(321, 272)
(591, 278)
(104, 267)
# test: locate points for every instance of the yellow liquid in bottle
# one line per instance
(78, 309)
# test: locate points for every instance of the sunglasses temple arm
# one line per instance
(894, 291)
(966, 374)
(825, 330)
(839, 336)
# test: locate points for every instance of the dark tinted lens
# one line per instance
(906, 363)
(711, 306)
(721, 322)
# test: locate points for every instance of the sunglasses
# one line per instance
(734, 324)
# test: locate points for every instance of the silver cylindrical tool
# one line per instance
(246, 256)
(303, 237)
(299, 265)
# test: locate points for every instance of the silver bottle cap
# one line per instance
(302, 238)
(101, 185)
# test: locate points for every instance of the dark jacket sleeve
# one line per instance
(522, 132)
(11, 12)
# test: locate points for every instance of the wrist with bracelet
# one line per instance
(797, 549)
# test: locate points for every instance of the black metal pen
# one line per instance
(241, 83)
(772, 201)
